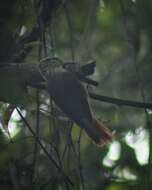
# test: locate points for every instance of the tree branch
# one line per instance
(120, 102)
(44, 149)
(30, 74)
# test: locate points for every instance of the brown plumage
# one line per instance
(70, 95)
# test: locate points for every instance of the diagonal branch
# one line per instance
(43, 148)
(120, 102)
(31, 77)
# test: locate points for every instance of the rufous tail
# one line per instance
(100, 134)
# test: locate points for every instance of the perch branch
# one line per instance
(120, 102)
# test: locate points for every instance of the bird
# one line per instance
(70, 95)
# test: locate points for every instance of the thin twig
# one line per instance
(14, 176)
(43, 148)
(36, 148)
(69, 23)
(79, 161)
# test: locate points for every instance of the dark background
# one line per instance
(117, 34)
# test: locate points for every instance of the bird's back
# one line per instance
(70, 95)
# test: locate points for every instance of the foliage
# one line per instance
(115, 33)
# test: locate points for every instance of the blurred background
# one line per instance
(117, 34)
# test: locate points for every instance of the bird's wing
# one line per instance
(70, 95)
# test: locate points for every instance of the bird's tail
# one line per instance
(100, 134)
